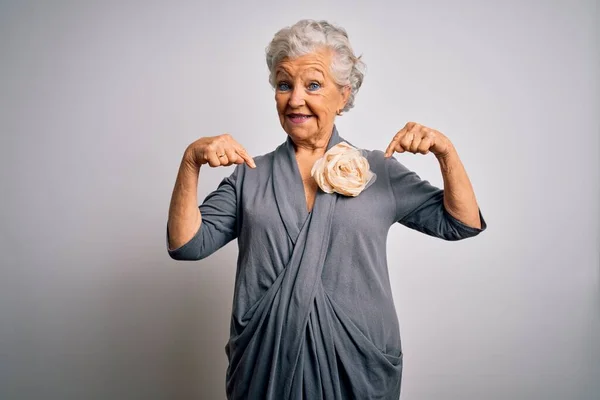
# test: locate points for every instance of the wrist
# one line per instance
(448, 160)
(448, 154)
(189, 164)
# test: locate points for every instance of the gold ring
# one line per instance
(222, 155)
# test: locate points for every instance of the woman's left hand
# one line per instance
(416, 138)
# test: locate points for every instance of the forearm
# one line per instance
(184, 215)
(459, 197)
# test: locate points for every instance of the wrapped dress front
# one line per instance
(313, 315)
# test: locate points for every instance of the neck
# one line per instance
(312, 147)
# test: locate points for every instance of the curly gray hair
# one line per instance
(305, 37)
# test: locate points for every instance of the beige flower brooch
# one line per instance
(344, 170)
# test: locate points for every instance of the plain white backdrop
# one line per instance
(98, 101)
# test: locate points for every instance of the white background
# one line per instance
(98, 101)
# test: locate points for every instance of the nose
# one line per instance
(297, 97)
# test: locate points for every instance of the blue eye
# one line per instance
(314, 86)
(283, 86)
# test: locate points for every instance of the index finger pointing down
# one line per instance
(244, 154)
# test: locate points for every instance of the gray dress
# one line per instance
(313, 315)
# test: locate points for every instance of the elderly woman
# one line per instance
(313, 315)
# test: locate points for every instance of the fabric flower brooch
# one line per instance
(344, 170)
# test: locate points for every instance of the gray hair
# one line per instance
(307, 36)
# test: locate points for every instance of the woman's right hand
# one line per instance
(216, 151)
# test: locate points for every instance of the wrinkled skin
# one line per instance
(304, 85)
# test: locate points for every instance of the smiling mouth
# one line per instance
(298, 118)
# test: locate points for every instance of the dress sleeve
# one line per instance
(219, 223)
(420, 206)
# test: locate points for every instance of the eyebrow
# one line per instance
(314, 70)
(282, 70)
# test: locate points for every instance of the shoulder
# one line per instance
(263, 168)
(375, 157)
(378, 162)
(262, 161)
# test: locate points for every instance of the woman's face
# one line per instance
(307, 96)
